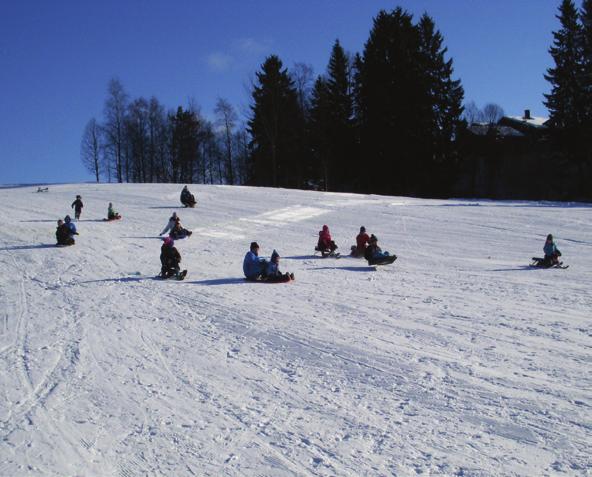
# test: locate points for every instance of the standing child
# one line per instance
(77, 205)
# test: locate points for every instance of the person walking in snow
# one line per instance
(326, 245)
(77, 205)
(254, 267)
(64, 234)
(273, 272)
(552, 253)
(170, 224)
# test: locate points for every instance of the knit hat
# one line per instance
(325, 227)
(373, 238)
(549, 237)
(67, 218)
(274, 255)
(254, 245)
(362, 229)
(169, 242)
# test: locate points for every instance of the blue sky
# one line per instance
(56, 58)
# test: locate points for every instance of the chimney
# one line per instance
(526, 114)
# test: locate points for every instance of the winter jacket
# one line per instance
(78, 205)
(273, 269)
(169, 226)
(550, 249)
(361, 241)
(325, 240)
(63, 235)
(111, 213)
(374, 251)
(178, 232)
(187, 197)
(169, 256)
(71, 226)
(252, 265)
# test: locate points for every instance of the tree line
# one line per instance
(140, 141)
(387, 120)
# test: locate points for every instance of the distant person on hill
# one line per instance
(64, 234)
(254, 267)
(170, 224)
(362, 241)
(326, 245)
(552, 253)
(170, 258)
(187, 198)
(273, 272)
(111, 213)
(77, 205)
(178, 232)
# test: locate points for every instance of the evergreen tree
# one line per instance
(445, 105)
(586, 22)
(319, 130)
(184, 145)
(565, 101)
(274, 127)
(392, 104)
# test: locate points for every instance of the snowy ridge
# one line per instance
(456, 360)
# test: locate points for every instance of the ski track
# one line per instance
(455, 360)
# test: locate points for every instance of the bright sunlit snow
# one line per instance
(458, 359)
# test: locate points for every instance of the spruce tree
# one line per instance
(319, 132)
(391, 101)
(566, 100)
(274, 127)
(445, 96)
(586, 23)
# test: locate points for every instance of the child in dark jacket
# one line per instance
(170, 258)
(273, 271)
(77, 205)
(64, 234)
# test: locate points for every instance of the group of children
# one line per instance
(254, 267)
(66, 229)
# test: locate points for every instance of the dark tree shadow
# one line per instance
(55, 221)
(302, 257)
(153, 237)
(520, 268)
(349, 269)
(221, 281)
(91, 220)
(28, 247)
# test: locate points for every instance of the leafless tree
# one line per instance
(492, 113)
(90, 148)
(472, 114)
(303, 76)
(226, 118)
(114, 126)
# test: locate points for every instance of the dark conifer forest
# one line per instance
(390, 119)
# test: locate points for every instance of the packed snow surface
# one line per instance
(458, 359)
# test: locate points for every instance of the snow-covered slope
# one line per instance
(456, 360)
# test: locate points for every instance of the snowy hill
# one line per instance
(456, 360)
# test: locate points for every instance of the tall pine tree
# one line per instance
(565, 101)
(274, 127)
(445, 107)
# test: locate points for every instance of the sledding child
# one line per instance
(170, 224)
(111, 214)
(64, 234)
(187, 198)
(254, 267)
(273, 272)
(70, 225)
(178, 232)
(170, 259)
(552, 253)
(326, 245)
(77, 205)
(362, 241)
(373, 251)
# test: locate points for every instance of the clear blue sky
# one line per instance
(56, 58)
